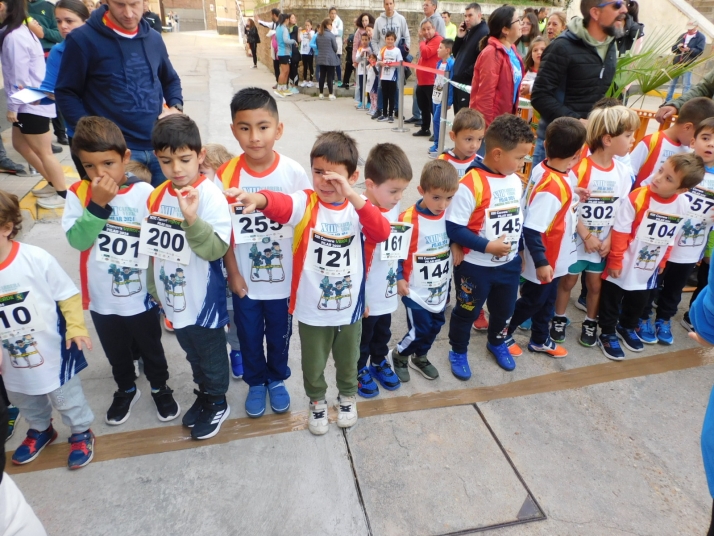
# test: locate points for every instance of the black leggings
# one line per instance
(307, 66)
(294, 64)
(329, 72)
(254, 52)
(349, 69)
(670, 284)
(389, 94)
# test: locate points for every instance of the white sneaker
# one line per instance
(303, 83)
(309, 84)
(347, 415)
(46, 191)
(317, 421)
(50, 202)
(332, 97)
(322, 96)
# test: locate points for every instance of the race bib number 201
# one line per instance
(19, 315)
(162, 237)
(118, 243)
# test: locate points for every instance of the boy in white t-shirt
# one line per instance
(304, 37)
(187, 234)
(388, 59)
(42, 335)
(361, 57)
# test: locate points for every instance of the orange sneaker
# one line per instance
(481, 323)
(168, 325)
(549, 347)
(513, 348)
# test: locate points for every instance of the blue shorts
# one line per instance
(587, 266)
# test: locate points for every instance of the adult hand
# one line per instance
(36, 28)
(11, 117)
(169, 111)
(664, 113)
(461, 30)
(104, 189)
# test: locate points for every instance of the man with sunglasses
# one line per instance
(578, 66)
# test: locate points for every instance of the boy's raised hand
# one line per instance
(79, 341)
(104, 189)
(249, 201)
(188, 203)
(343, 188)
(499, 247)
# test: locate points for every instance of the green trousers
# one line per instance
(316, 343)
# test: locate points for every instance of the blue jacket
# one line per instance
(125, 80)
(696, 47)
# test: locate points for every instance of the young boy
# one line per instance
(648, 156)
(549, 233)
(445, 63)
(42, 337)
(102, 219)
(328, 271)
(388, 56)
(372, 86)
(187, 233)
(646, 223)
(364, 50)
(485, 219)
(425, 276)
(387, 173)
(260, 264)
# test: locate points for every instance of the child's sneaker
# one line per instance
(366, 386)
(581, 304)
(391, 119)
(481, 323)
(385, 375)
(526, 326)
(359, 106)
(212, 415)
(33, 445)
(279, 397)
(332, 97)
(610, 346)
(255, 401)
(549, 347)
(81, 449)
(317, 421)
(347, 415)
(557, 328)
(422, 364)
(191, 416)
(168, 326)
(663, 329)
(382, 118)
(646, 331)
(503, 356)
(588, 335)
(630, 339)
(236, 364)
(167, 408)
(513, 348)
(460, 365)
(433, 149)
(13, 413)
(376, 115)
(119, 411)
(687, 323)
(137, 369)
(400, 366)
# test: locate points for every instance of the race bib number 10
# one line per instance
(254, 227)
(658, 229)
(19, 315)
(118, 243)
(333, 256)
(162, 237)
(396, 247)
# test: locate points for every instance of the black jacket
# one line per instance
(633, 31)
(466, 50)
(696, 47)
(154, 21)
(252, 35)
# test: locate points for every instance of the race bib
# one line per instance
(598, 211)
(19, 315)
(396, 247)
(658, 229)
(256, 226)
(333, 256)
(438, 92)
(432, 271)
(118, 243)
(387, 72)
(701, 204)
(163, 238)
(505, 220)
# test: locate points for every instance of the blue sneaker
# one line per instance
(630, 339)
(236, 364)
(255, 401)
(384, 374)
(645, 331)
(526, 326)
(663, 329)
(502, 355)
(460, 365)
(581, 304)
(359, 106)
(81, 450)
(13, 413)
(279, 397)
(366, 386)
(610, 346)
(33, 445)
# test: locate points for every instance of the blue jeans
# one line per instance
(423, 326)
(206, 353)
(436, 111)
(686, 84)
(536, 302)
(148, 158)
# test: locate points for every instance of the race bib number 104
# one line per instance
(658, 229)
(162, 237)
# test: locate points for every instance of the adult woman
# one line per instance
(532, 64)
(327, 59)
(362, 22)
(294, 54)
(23, 65)
(251, 31)
(529, 31)
(499, 70)
(556, 25)
(282, 37)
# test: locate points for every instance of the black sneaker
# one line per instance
(119, 411)
(588, 336)
(62, 140)
(191, 416)
(687, 323)
(557, 328)
(167, 409)
(56, 149)
(212, 415)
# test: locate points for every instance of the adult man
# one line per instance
(152, 18)
(116, 66)
(688, 48)
(338, 28)
(450, 26)
(542, 19)
(274, 15)
(578, 66)
(466, 50)
(389, 21)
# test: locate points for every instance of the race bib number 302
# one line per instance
(162, 237)
(118, 243)
(432, 271)
(658, 229)
(396, 247)
(333, 256)
(19, 315)
(598, 211)
(254, 227)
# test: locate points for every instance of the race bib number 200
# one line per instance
(333, 256)
(118, 243)
(162, 237)
(19, 315)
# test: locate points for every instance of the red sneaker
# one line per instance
(168, 325)
(481, 323)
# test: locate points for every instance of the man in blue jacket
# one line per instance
(116, 66)
(688, 47)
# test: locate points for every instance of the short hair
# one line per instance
(390, 33)
(139, 170)
(387, 161)
(439, 175)
(446, 13)
(473, 5)
(564, 138)
(585, 7)
(174, 132)
(434, 3)
(541, 10)
(690, 166)
(10, 212)
(612, 121)
(332, 8)
(468, 119)
(707, 124)
(216, 155)
(607, 102)
(448, 43)
(506, 132)
(425, 21)
(372, 55)
(97, 135)
(337, 148)
(254, 98)
(695, 111)
(275, 11)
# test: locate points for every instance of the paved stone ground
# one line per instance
(607, 459)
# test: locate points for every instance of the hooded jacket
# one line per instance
(123, 79)
(466, 50)
(396, 23)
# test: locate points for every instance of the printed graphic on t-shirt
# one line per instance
(266, 262)
(125, 281)
(692, 234)
(175, 288)
(23, 352)
(391, 280)
(336, 293)
(647, 258)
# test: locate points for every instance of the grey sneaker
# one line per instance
(46, 191)
(50, 202)
(399, 364)
(11, 167)
(422, 365)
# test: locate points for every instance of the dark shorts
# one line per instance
(32, 124)
(284, 60)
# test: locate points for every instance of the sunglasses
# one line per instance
(616, 4)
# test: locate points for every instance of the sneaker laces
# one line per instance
(345, 408)
(614, 342)
(589, 330)
(318, 414)
(559, 325)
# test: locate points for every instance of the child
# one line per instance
(388, 56)
(467, 133)
(327, 292)
(649, 155)
(608, 180)
(485, 217)
(388, 173)
(425, 276)
(190, 215)
(445, 63)
(548, 232)
(373, 85)
(689, 244)
(260, 263)
(305, 37)
(42, 355)
(428, 57)
(364, 50)
(102, 219)
(646, 223)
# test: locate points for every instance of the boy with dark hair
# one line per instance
(388, 172)
(187, 233)
(102, 219)
(388, 57)
(485, 219)
(327, 294)
(441, 84)
(467, 131)
(260, 277)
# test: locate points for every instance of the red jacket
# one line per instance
(428, 58)
(492, 84)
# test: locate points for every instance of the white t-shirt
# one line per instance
(305, 38)
(698, 221)
(649, 155)
(31, 284)
(460, 165)
(362, 54)
(338, 29)
(381, 286)
(393, 55)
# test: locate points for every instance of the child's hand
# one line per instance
(403, 287)
(188, 203)
(583, 193)
(249, 201)
(615, 274)
(695, 336)
(457, 253)
(104, 189)
(499, 247)
(545, 274)
(340, 184)
(366, 312)
(660, 270)
(605, 247)
(237, 284)
(592, 244)
(79, 341)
